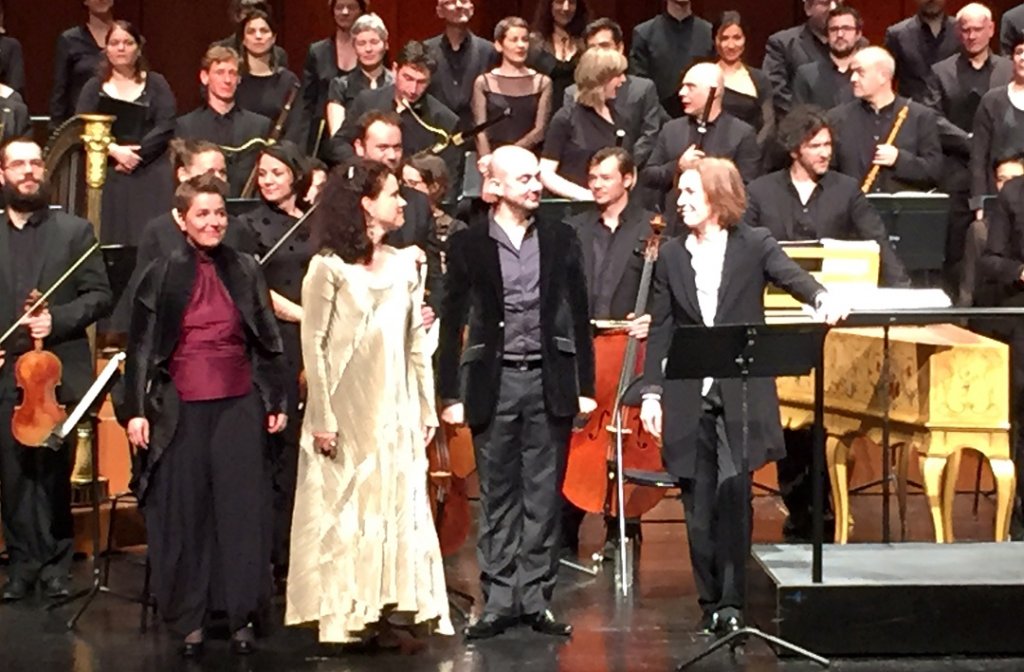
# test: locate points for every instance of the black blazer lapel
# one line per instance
(486, 255)
(730, 268)
(684, 272)
(585, 232)
(174, 295)
(625, 244)
(7, 300)
(548, 246)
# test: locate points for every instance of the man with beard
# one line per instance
(918, 43)
(461, 57)
(826, 84)
(913, 162)
(725, 136)
(37, 245)
(955, 90)
(417, 110)
(808, 201)
(666, 45)
(520, 376)
(380, 139)
(220, 121)
(788, 49)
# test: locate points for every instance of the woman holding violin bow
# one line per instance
(41, 249)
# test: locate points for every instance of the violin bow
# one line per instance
(46, 295)
(287, 234)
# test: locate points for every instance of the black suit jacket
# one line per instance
(913, 64)
(957, 105)
(14, 117)
(815, 83)
(320, 68)
(457, 94)
(657, 54)
(784, 53)
(919, 164)
(639, 111)
(84, 298)
(471, 373)
(844, 214)
(246, 126)
(12, 63)
(727, 137)
(1010, 26)
(157, 310)
(752, 260)
(624, 260)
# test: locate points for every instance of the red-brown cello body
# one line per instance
(590, 468)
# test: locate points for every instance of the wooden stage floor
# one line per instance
(652, 630)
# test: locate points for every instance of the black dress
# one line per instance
(266, 95)
(562, 73)
(131, 200)
(528, 99)
(75, 62)
(284, 273)
(755, 110)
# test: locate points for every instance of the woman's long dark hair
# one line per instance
(339, 224)
(544, 21)
(141, 66)
(243, 53)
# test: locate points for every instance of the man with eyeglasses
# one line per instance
(955, 90)
(37, 245)
(827, 83)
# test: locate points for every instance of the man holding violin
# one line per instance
(37, 245)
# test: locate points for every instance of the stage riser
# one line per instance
(896, 620)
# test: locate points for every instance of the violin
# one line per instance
(37, 374)
(591, 467)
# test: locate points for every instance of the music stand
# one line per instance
(89, 406)
(744, 352)
(917, 224)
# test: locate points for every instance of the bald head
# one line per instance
(976, 29)
(696, 87)
(513, 181)
(871, 73)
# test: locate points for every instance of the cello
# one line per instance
(590, 470)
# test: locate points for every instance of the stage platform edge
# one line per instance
(909, 599)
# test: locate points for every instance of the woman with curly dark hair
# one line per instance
(557, 42)
(365, 559)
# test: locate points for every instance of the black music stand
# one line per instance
(917, 225)
(89, 407)
(744, 352)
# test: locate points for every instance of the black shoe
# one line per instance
(489, 625)
(545, 623)
(55, 588)
(709, 624)
(243, 642)
(16, 589)
(192, 649)
(729, 621)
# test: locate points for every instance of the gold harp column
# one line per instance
(96, 141)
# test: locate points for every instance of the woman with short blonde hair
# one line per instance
(579, 131)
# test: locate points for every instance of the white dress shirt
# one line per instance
(706, 258)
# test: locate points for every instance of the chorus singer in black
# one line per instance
(76, 57)
(283, 179)
(716, 274)
(826, 83)
(461, 57)
(525, 371)
(221, 121)
(37, 245)
(919, 42)
(202, 384)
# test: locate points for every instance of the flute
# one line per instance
(869, 179)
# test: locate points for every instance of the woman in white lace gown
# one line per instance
(365, 555)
